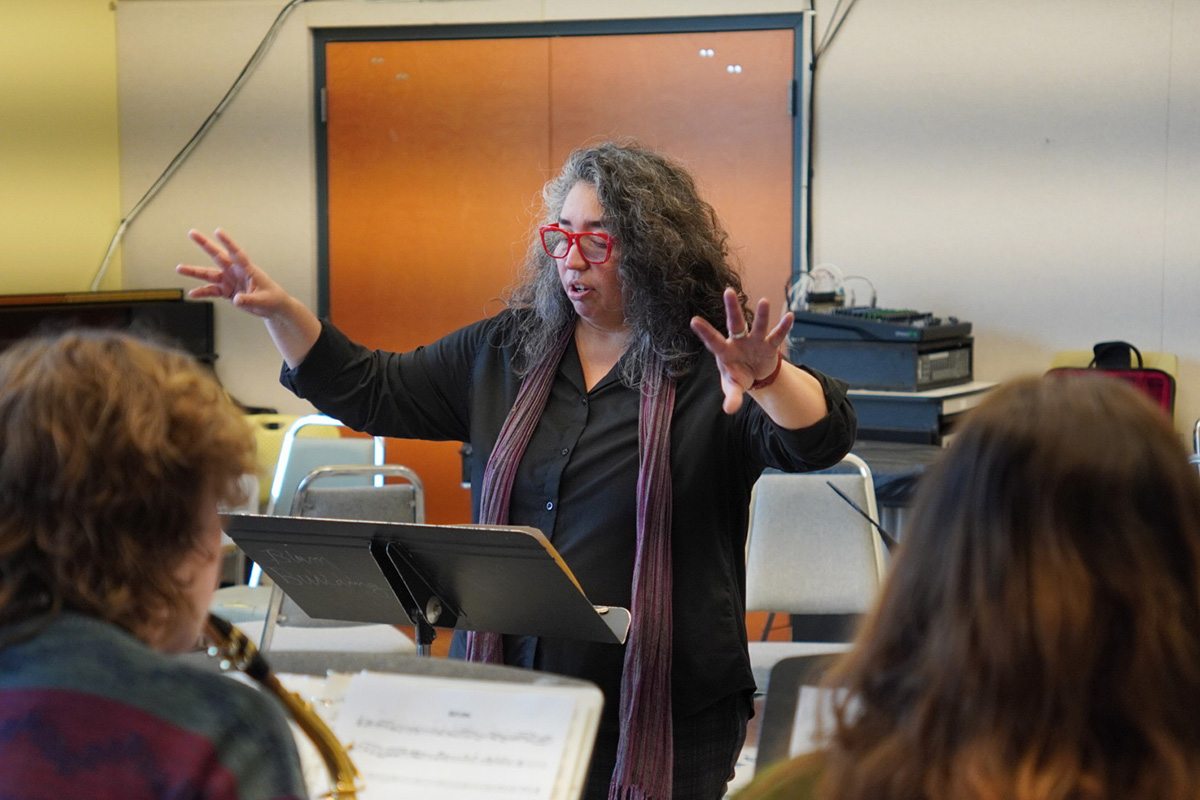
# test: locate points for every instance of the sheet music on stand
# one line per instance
(455, 738)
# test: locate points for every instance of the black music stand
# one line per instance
(493, 578)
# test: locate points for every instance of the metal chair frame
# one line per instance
(281, 469)
(383, 471)
(300, 506)
(289, 441)
(1195, 459)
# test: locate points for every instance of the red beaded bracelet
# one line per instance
(763, 383)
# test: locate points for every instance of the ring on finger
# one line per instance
(741, 335)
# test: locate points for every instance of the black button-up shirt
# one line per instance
(577, 480)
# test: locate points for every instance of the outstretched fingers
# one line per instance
(232, 277)
(735, 321)
(779, 333)
(210, 289)
(712, 339)
(214, 251)
(236, 254)
(209, 274)
(749, 351)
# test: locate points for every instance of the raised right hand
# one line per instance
(293, 328)
(235, 277)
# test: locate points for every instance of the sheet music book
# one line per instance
(814, 720)
(449, 738)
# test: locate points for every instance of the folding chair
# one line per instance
(300, 455)
(344, 465)
(809, 551)
(387, 502)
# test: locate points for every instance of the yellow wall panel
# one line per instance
(59, 172)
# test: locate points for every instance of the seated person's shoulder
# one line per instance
(188, 691)
(91, 683)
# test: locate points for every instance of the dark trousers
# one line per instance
(707, 746)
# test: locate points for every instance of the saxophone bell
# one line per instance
(235, 651)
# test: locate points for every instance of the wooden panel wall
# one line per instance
(435, 151)
(732, 129)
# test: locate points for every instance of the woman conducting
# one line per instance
(114, 457)
(597, 417)
(1038, 637)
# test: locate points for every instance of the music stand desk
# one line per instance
(493, 578)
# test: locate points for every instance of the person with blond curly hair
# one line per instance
(115, 455)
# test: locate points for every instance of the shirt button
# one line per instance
(565, 451)
(585, 401)
(549, 506)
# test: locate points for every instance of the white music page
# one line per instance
(453, 739)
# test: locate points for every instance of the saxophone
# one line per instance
(236, 652)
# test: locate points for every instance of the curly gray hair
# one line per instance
(674, 261)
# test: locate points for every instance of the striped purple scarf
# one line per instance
(645, 754)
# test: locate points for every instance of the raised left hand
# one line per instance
(748, 353)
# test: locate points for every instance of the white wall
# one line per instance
(1032, 167)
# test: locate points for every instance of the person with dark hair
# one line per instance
(1039, 634)
(115, 456)
(596, 416)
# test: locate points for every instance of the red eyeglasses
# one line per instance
(595, 247)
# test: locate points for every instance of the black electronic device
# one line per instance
(877, 324)
(928, 417)
(885, 349)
